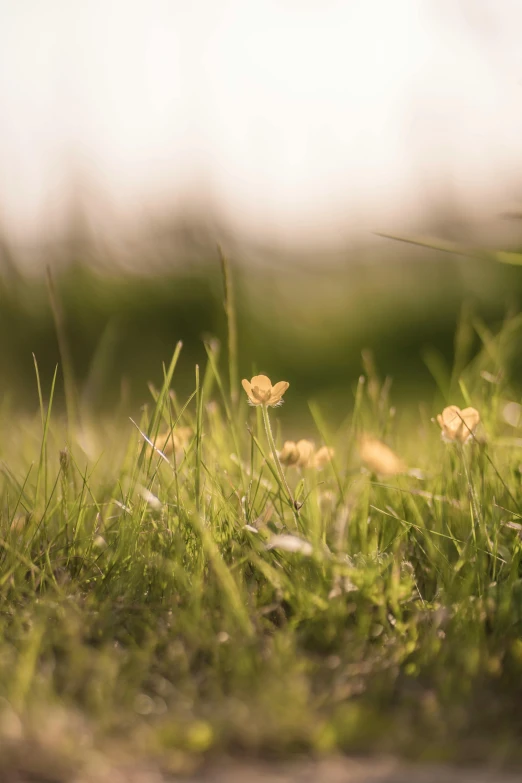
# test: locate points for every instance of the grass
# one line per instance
(153, 605)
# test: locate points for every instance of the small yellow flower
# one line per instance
(168, 442)
(261, 392)
(457, 424)
(298, 454)
(379, 458)
(323, 457)
(289, 453)
(305, 450)
(303, 455)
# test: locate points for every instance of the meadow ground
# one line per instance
(185, 586)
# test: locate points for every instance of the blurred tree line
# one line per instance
(303, 319)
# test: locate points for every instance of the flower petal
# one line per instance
(470, 420)
(260, 396)
(451, 421)
(471, 417)
(306, 450)
(289, 453)
(323, 456)
(457, 424)
(262, 382)
(512, 414)
(289, 543)
(379, 457)
(277, 391)
(247, 386)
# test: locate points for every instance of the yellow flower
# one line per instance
(261, 392)
(305, 449)
(458, 425)
(289, 453)
(303, 455)
(169, 441)
(323, 457)
(379, 458)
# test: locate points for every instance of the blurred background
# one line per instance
(135, 136)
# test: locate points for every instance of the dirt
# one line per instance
(34, 765)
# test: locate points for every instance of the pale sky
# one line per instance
(295, 120)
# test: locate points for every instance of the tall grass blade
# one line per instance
(230, 311)
(71, 396)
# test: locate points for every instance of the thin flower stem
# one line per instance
(476, 518)
(271, 442)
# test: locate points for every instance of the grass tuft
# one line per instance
(169, 605)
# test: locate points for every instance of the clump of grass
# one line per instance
(212, 596)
